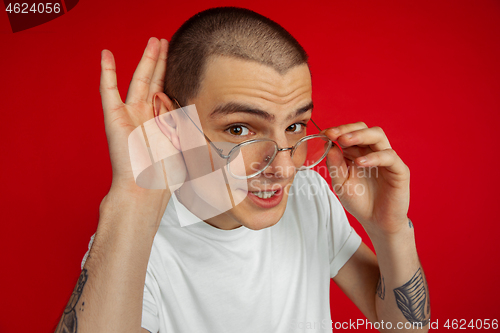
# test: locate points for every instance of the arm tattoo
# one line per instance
(411, 299)
(381, 287)
(410, 223)
(69, 322)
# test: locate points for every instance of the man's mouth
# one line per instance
(264, 194)
(266, 199)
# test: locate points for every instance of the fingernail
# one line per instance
(334, 131)
(362, 160)
(348, 135)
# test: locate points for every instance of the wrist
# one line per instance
(138, 206)
(397, 242)
(388, 228)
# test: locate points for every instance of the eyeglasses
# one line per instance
(251, 157)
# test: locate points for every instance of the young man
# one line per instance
(265, 264)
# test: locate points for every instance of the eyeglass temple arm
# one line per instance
(217, 150)
(319, 129)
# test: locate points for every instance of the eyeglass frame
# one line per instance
(292, 149)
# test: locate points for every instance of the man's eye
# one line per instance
(238, 130)
(295, 128)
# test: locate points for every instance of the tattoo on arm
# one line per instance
(412, 299)
(428, 300)
(410, 223)
(69, 322)
(381, 287)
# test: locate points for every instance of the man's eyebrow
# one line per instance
(234, 107)
(301, 110)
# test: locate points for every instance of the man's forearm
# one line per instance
(108, 295)
(402, 294)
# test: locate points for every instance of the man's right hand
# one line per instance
(122, 118)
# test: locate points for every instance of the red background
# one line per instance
(427, 72)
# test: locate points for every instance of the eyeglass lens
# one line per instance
(250, 159)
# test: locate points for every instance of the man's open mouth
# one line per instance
(266, 199)
(264, 194)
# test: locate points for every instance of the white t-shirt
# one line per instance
(203, 279)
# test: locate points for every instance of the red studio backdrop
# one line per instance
(427, 72)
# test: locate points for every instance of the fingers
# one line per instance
(335, 132)
(158, 79)
(351, 153)
(141, 81)
(359, 134)
(108, 87)
(386, 158)
(366, 147)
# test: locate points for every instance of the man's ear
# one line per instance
(166, 120)
(162, 103)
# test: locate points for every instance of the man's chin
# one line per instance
(260, 225)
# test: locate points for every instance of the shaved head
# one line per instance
(231, 32)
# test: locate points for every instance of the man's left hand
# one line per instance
(370, 179)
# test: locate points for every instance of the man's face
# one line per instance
(264, 104)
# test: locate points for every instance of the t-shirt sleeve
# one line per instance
(343, 241)
(88, 251)
(150, 319)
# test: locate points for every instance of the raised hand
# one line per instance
(370, 179)
(122, 118)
